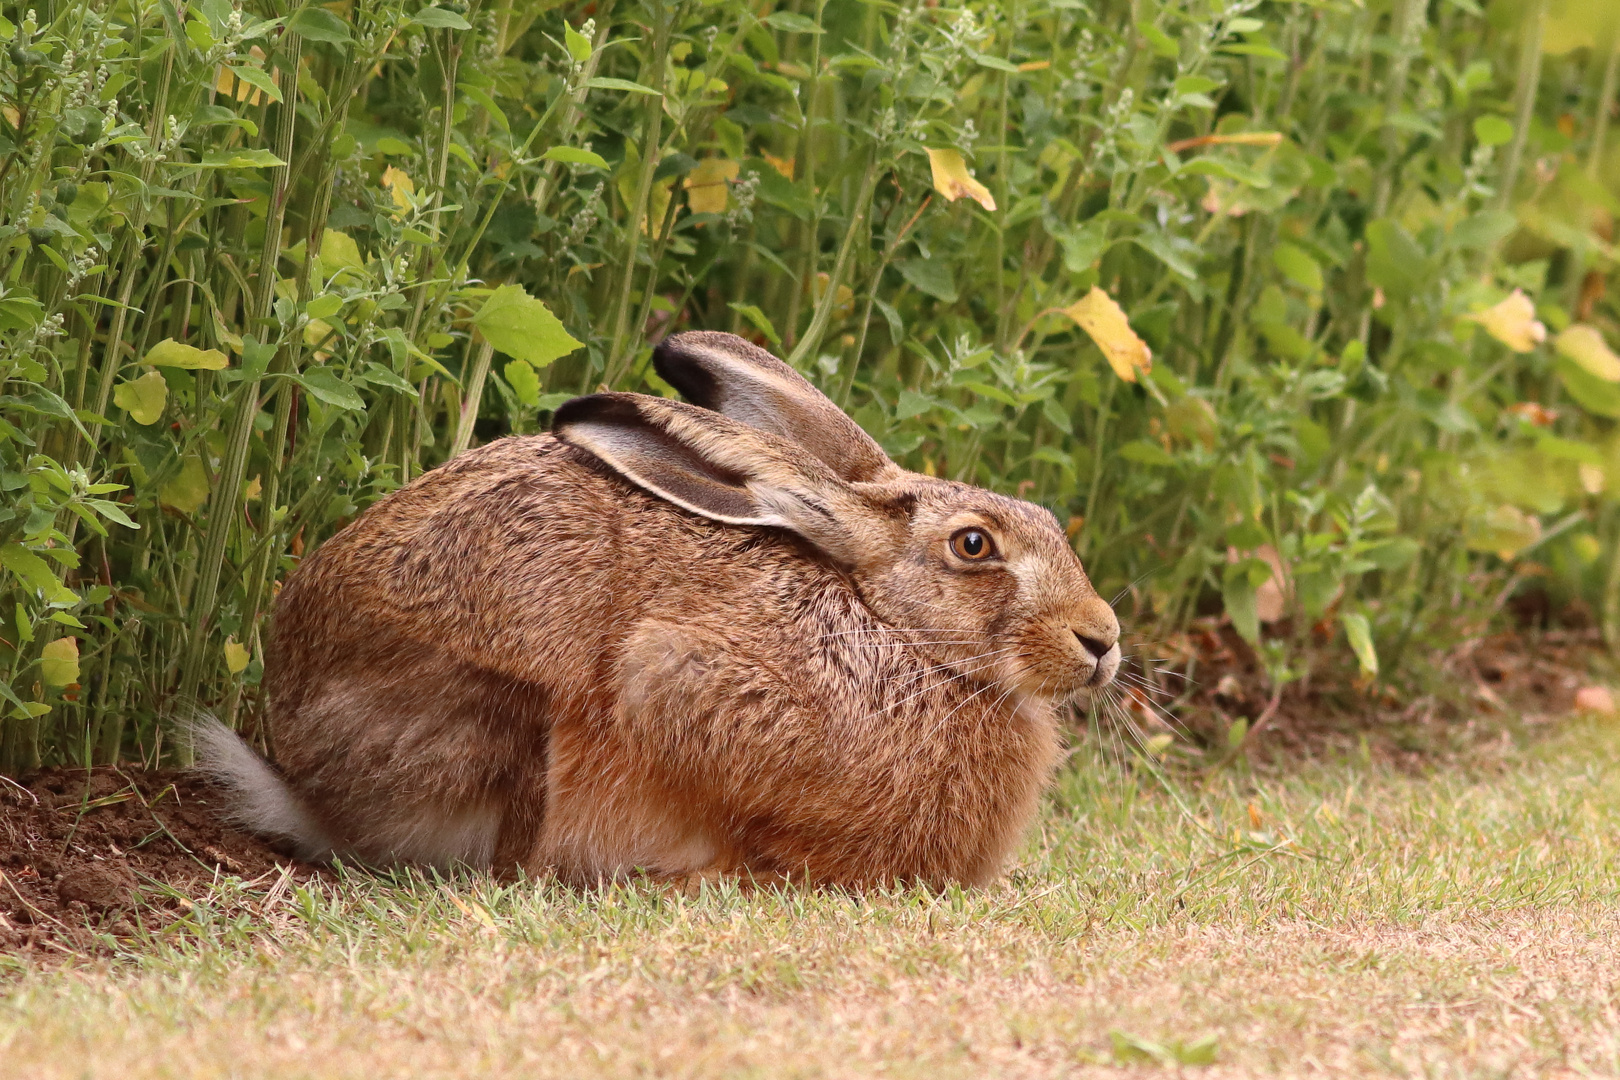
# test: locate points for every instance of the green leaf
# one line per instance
(1298, 266)
(995, 63)
(257, 78)
(188, 489)
(1484, 230)
(579, 46)
(1253, 49)
(1594, 394)
(324, 307)
(30, 569)
(238, 159)
(112, 512)
(524, 382)
(440, 19)
(603, 83)
(573, 155)
(1165, 250)
(317, 24)
(59, 662)
(793, 24)
(912, 404)
(1394, 260)
(1492, 131)
(1159, 41)
(339, 252)
(143, 398)
(522, 327)
(377, 375)
(994, 393)
(1227, 169)
(930, 276)
(1238, 593)
(487, 103)
(1146, 452)
(175, 354)
(760, 321)
(324, 385)
(1360, 635)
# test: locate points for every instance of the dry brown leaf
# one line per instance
(781, 165)
(1536, 413)
(952, 179)
(1098, 315)
(1513, 322)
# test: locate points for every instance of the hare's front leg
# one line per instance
(622, 797)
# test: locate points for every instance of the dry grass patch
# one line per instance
(1348, 919)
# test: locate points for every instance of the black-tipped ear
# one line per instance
(729, 375)
(618, 429)
(719, 468)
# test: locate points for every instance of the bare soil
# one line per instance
(88, 859)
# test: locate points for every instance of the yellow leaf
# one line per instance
(59, 662)
(1585, 345)
(1505, 530)
(952, 179)
(1513, 322)
(143, 398)
(189, 490)
(1235, 138)
(781, 165)
(706, 185)
(176, 354)
(236, 657)
(1593, 478)
(340, 252)
(1098, 315)
(230, 85)
(234, 341)
(843, 299)
(400, 186)
(317, 331)
(657, 203)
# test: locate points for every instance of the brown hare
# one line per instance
(681, 640)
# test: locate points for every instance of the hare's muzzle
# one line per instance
(1096, 638)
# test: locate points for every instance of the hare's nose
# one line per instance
(1094, 646)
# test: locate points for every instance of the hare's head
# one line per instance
(986, 582)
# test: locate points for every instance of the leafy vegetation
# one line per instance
(262, 264)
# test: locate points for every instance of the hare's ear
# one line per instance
(723, 469)
(724, 373)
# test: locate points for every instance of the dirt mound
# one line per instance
(85, 855)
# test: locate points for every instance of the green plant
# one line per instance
(262, 265)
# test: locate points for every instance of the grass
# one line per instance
(1349, 918)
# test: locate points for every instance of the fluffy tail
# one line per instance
(260, 800)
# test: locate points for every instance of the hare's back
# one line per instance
(488, 557)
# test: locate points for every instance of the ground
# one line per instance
(1351, 916)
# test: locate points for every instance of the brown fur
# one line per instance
(525, 659)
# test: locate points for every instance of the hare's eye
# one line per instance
(974, 545)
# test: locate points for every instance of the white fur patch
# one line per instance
(260, 800)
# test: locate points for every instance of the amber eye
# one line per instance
(974, 545)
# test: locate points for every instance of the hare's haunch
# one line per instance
(729, 636)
